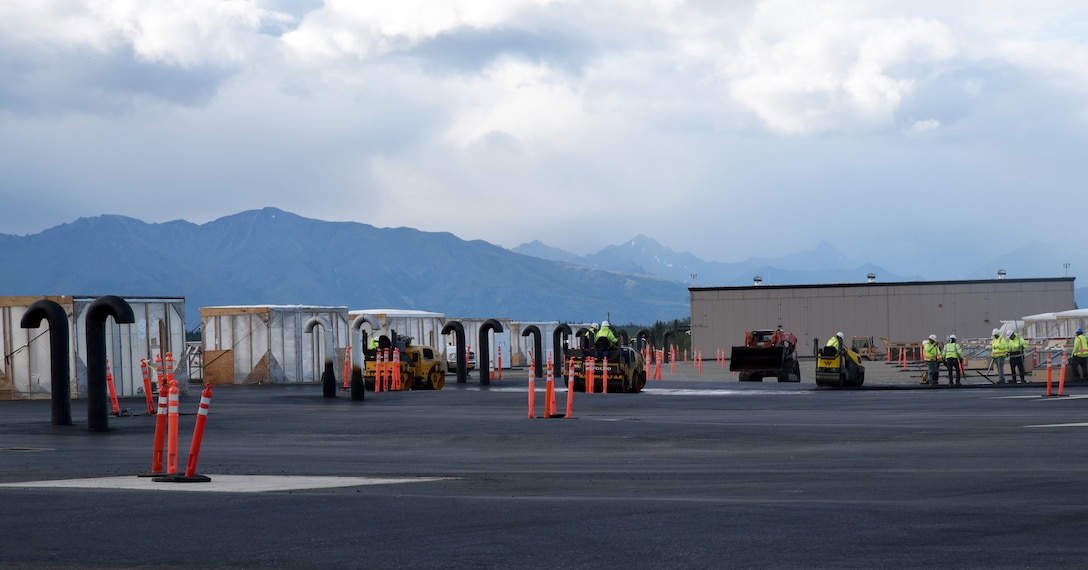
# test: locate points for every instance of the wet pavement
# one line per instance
(699, 470)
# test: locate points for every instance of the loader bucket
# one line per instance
(750, 358)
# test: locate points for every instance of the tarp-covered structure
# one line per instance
(159, 329)
(269, 344)
(424, 327)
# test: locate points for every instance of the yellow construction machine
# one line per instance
(421, 367)
(837, 368)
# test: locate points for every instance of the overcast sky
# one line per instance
(895, 130)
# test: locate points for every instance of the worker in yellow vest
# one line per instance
(998, 349)
(1018, 347)
(953, 355)
(931, 353)
(1079, 360)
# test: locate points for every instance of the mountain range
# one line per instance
(274, 257)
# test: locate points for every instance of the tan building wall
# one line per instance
(899, 312)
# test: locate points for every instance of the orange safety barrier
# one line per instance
(379, 370)
(590, 370)
(1049, 372)
(549, 393)
(395, 381)
(169, 367)
(198, 431)
(499, 348)
(159, 373)
(570, 390)
(604, 376)
(1061, 377)
(347, 368)
(172, 431)
(657, 367)
(532, 389)
(672, 360)
(112, 389)
(159, 445)
(147, 387)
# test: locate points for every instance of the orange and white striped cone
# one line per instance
(570, 391)
(190, 475)
(548, 394)
(532, 390)
(147, 387)
(172, 431)
(112, 389)
(159, 445)
(397, 383)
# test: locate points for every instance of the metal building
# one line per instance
(899, 312)
(159, 329)
(269, 344)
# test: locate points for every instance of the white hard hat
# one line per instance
(951, 337)
(839, 334)
(996, 331)
(933, 337)
(604, 324)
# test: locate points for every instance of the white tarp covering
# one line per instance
(269, 343)
(1043, 325)
(25, 371)
(1070, 321)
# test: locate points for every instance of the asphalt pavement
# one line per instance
(697, 471)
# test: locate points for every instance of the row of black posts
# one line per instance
(59, 355)
(116, 307)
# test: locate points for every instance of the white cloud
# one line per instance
(351, 28)
(812, 67)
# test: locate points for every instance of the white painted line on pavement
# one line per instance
(692, 392)
(222, 483)
(1079, 424)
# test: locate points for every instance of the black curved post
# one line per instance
(665, 341)
(358, 358)
(561, 333)
(458, 331)
(580, 335)
(97, 392)
(624, 339)
(328, 375)
(485, 349)
(538, 359)
(60, 364)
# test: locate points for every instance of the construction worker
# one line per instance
(1017, 347)
(372, 346)
(998, 349)
(605, 332)
(1079, 359)
(931, 353)
(836, 341)
(953, 355)
(591, 335)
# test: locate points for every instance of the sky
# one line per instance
(903, 132)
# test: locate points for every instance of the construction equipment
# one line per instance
(421, 367)
(866, 348)
(626, 369)
(839, 368)
(766, 353)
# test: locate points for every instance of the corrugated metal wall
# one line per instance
(159, 328)
(269, 343)
(897, 311)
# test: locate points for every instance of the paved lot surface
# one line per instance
(698, 471)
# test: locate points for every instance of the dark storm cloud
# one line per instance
(90, 81)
